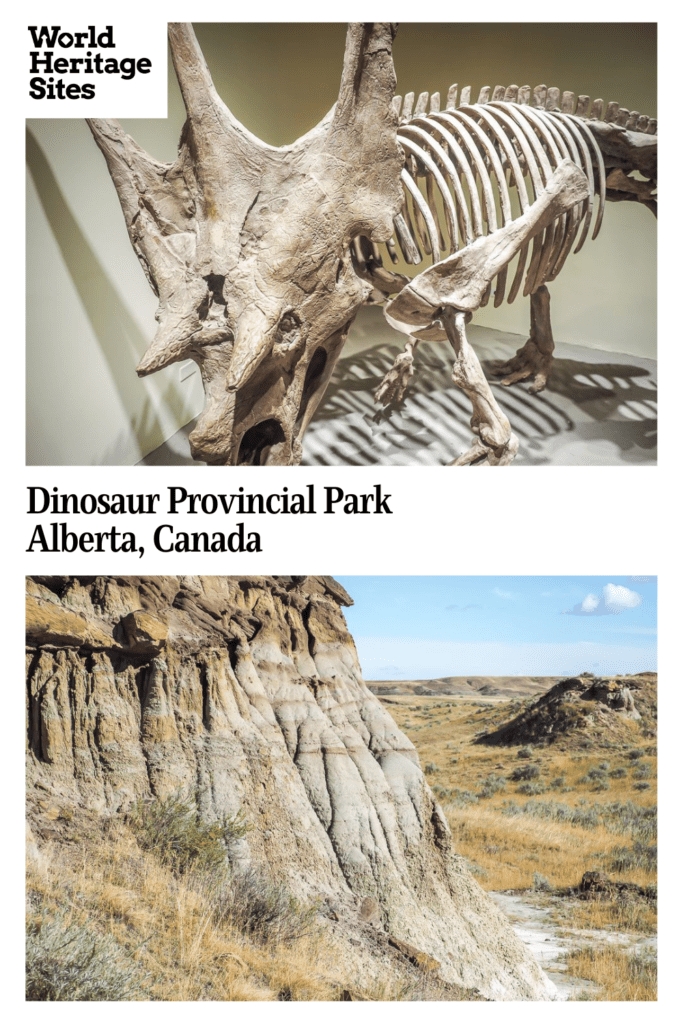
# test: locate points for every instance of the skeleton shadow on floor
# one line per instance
(609, 406)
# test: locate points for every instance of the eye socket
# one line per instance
(289, 336)
(289, 322)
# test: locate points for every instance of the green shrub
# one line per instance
(618, 773)
(66, 961)
(492, 784)
(540, 883)
(430, 768)
(525, 752)
(172, 829)
(262, 909)
(633, 755)
(531, 788)
(643, 771)
(462, 797)
(640, 786)
(559, 783)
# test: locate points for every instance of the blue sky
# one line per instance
(422, 627)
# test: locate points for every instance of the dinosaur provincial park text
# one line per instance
(57, 537)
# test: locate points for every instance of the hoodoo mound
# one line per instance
(585, 705)
(245, 693)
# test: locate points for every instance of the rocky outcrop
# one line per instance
(246, 694)
(577, 704)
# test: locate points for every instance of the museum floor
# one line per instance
(598, 409)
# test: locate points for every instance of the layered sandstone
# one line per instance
(245, 693)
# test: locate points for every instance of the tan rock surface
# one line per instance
(256, 702)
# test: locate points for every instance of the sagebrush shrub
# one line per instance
(68, 961)
(638, 856)
(531, 788)
(492, 784)
(264, 910)
(173, 830)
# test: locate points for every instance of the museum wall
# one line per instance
(90, 311)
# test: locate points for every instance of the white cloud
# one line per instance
(614, 600)
(507, 594)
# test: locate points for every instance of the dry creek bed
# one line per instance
(531, 916)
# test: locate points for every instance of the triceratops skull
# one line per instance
(248, 246)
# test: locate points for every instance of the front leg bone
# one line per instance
(395, 382)
(494, 441)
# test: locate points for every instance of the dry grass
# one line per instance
(167, 927)
(637, 916)
(474, 787)
(620, 976)
(109, 919)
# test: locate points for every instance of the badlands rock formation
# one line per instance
(246, 693)
(585, 705)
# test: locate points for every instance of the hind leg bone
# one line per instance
(535, 358)
(494, 441)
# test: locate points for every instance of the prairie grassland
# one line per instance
(620, 976)
(538, 817)
(555, 812)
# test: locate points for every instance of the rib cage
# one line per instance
(482, 164)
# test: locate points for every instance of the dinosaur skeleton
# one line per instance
(262, 256)
(465, 155)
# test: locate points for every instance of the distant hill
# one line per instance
(583, 706)
(465, 686)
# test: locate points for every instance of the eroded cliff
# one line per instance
(245, 693)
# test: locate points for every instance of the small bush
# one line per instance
(525, 752)
(641, 786)
(540, 883)
(172, 829)
(430, 768)
(638, 856)
(618, 773)
(263, 910)
(462, 797)
(525, 772)
(643, 771)
(604, 766)
(69, 961)
(633, 755)
(475, 869)
(559, 783)
(492, 784)
(531, 788)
